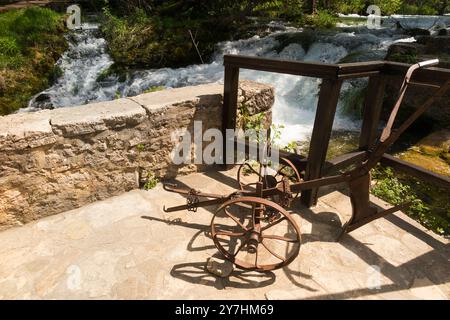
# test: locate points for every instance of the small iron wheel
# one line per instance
(255, 234)
(270, 180)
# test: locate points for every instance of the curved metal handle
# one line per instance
(387, 130)
(428, 63)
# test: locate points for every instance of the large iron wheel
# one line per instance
(255, 234)
(285, 169)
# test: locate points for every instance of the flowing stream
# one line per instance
(296, 97)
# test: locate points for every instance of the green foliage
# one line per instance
(276, 133)
(246, 171)
(409, 58)
(251, 122)
(291, 147)
(321, 20)
(427, 10)
(31, 40)
(409, 9)
(354, 6)
(140, 147)
(151, 183)
(280, 8)
(388, 7)
(353, 102)
(154, 89)
(163, 39)
(429, 204)
(9, 46)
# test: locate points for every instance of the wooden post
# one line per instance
(229, 109)
(372, 110)
(323, 124)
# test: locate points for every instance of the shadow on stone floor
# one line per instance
(325, 227)
(402, 276)
(195, 272)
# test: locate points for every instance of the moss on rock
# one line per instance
(35, 38)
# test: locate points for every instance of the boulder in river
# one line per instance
(43, 101)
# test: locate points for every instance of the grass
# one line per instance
(154, 89)
(31, 41)
(430, 205)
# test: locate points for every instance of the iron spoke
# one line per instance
(279, 238)
(230, 234)
(235, 219)
(240, 247)
(270, 225)
(251, 168)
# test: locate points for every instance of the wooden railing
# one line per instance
(332, 76)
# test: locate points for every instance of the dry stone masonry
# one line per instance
(57, 160)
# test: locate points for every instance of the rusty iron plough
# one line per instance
(251, 226)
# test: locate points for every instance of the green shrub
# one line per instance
(151, 183)
(388, 7)
(409, 9)
(321, 20)
(280, 8)
(427, 10)
(353, 102)
(9, 46)
(354, 6)
(429, 206)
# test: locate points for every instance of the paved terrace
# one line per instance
(126, 247)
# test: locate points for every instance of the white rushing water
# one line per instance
(296, 97)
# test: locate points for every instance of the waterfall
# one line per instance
(296, 97)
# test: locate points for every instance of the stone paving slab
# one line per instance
(126, 247)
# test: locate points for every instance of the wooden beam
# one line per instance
(371, 112)
(230, 100)
(433, 76)
(359, 69)
(323, 124)
(307, 69)
(415, 171)
(343, 161)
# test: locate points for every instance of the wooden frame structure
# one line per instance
(332, 76)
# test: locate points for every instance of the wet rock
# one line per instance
(219, 267)
(442, 32)
(43, 101)
(417, 32)
(435, 45)
(404, 52)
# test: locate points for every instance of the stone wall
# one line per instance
(57, 160)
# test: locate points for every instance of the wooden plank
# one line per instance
(415, 171)
(323, 124)
(230, 99)
(436, 76)
(359, 69)
(308, 69)
(372, 109)
(343, 161)
(355, 75)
